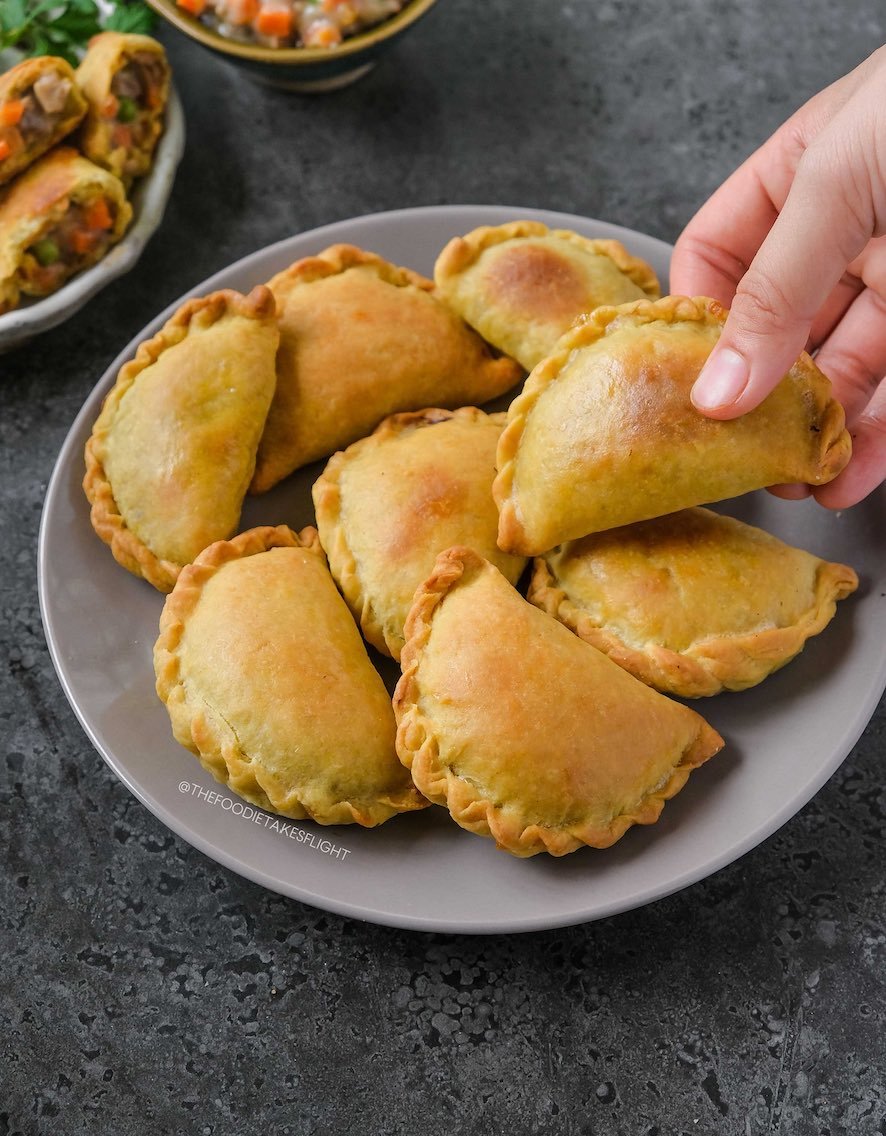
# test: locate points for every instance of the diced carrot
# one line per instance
(97, 215)
(274, 22)
(11, 112)
(83, 241)
(192, 7)
(241, 11)
(110, 106)
(121, 136)
(5, 149)
(322, 35)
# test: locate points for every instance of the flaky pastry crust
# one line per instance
(19, 80)
(388, 504)
(362, 339)
(40, 198)
(604, 433)
(108, 52)
(187, 484)
(236, 669)
(521, 284)
(693, 603)
(524, 733)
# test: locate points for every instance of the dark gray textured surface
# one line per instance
(142, 988)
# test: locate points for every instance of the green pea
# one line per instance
(46, 251)
(127, 110)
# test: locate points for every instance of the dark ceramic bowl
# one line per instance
(312, 69)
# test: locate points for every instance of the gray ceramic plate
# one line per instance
(784, 739)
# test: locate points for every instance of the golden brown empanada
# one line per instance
(604, 432)
(692, 603)
(266, 679)
(39, 104)
(172, 452)
(361, 339)
(525, 733)
(125, 78)
(59, 217)
(521, 285)
(391, 502)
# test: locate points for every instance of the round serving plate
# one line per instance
(783, 738)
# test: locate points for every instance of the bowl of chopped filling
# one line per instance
(302, 45)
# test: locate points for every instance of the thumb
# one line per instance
(822, 227)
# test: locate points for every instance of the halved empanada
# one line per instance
(391, 502)
(521, 285)
(40, 103)
(359, 340)
(57, 218)
(172, 452)
(266, 679)
(604, 432)
(125, 78)
(692, 603)
(525, 733)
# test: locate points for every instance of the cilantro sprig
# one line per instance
(64, 27)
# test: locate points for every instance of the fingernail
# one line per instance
(722, 379)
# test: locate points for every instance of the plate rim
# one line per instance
(517, 924)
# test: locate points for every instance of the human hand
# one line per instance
(794, 243)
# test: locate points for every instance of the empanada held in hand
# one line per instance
(525, 733)
(362, 339)
(604, 432)
(390, 503)
(521, 285)
(692, 603)
(172, 452)
(266, 679)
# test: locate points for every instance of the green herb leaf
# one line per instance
(64, 27)
(131, 17)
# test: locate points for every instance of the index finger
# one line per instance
(716, 248)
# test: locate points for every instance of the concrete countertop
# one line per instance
(145, 989)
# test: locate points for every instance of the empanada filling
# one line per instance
(77, 238)
(130, 110)
(29, 119)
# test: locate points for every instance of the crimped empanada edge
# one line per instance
(418, 749)
(709, 666)
(128, 549)
(338, 258)
(326, 493)
(193, 726)
(461, 252)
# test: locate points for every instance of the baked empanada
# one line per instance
(125, 78)
(391, 502)
(172, 452)
(359, 340)
(525, 733)
(266, 679)
(604, 432)
(39, 104)
(521, 285)
(692, 603)
(59, 217)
